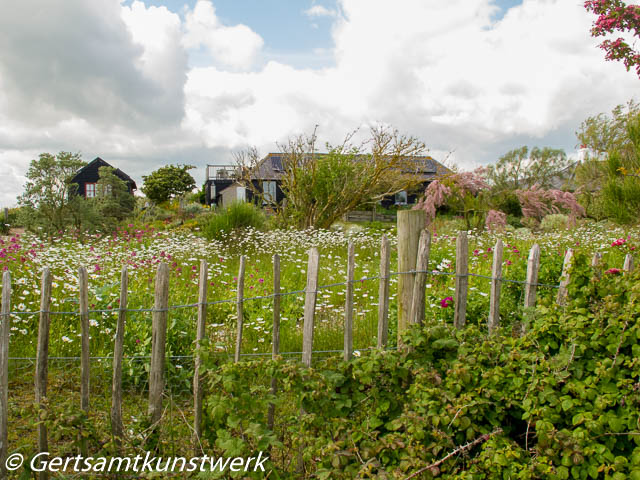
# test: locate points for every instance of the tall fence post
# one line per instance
(564, 281)
(158, 346)
(200, 334)
(311, 294)
(422, 265)
(275, 346)
(628, 263)
(348, 307)
(383, 292)
(117, 427)
(410, 224)
(85, 367)
(462, 279)
(531, 284)
(239, 309)
(4, 370)
(6, 216)
(42, 359)
(496, 284)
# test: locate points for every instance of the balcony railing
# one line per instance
(222, 172)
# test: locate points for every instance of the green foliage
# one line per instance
(521, 168)
(554, 222)
(507, 202)
(614, 169)
(113, 202)
(237, 215)
(168, 182)
(560, 402)
(48, 202)
(321, 188)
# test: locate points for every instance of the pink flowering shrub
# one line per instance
(537, 202)
(458, 190)
(495, 220)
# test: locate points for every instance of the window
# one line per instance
(104, 191)
(269, 191)
(241, 194)
(401, 198)
(89, 190)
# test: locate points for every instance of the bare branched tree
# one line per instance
(321, 187)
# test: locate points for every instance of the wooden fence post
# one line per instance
(6, 216)
(42, 359)
(4, 370)
(275, 347)
(383, 292)
(596, 264)
(348, 306)
(200, 334)
(531, 284)
(462, 279)
(628, 263)
(85, 367)
(533, 267)
(239, 309)
(422, 265)
(564, 279)
(410, 224)
(158, 344)
(496, 284)
(311, 294)
(117, 427)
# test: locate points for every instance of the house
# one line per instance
(87, 178)
(222, 185)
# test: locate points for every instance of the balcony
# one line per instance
(222, 172)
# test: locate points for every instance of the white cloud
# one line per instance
(113, 80)
(446, 72)
(235, 46)
(320, 11)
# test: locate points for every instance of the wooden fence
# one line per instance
(368, 216)
(414, 243)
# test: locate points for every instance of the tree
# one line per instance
(113, 202)
(616, 16)
(321, 188)
(168, 182)
(609, 176)
(520, 168)
(48, 199)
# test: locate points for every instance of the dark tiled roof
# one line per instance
(270, 167)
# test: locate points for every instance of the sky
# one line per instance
(146, 83)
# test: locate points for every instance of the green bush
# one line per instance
(560, 402)
(553, 222)
(235, 216)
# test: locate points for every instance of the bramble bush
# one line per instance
(560, 402)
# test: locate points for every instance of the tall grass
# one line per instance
(235, 216)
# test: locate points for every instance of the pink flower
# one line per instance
(261, 280)
(614, 271)
(446, 302)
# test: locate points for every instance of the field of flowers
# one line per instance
(141, 249)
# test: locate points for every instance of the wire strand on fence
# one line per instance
(189, 357)
(282, 294)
